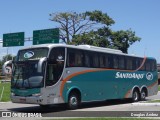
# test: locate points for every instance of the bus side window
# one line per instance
(71, 59)
(129, 64)
(121, 62)
(87, 59)
(110, 60)
(107, 61)
(75, 58)
(143, 67)
(95, 60)
(115, 61)
(153, 65)
(102, 61)
(79, 58)
(148, 65)
(133, 63)
(137, 63)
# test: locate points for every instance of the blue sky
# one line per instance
(142, 16)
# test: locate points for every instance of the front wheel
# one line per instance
(73, 101)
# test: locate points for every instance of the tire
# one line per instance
(73, 101)
(143, 95)
(135, 96)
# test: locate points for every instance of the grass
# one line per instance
(159, 88)
(154, 101)
(6, 91)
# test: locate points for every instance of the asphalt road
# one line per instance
(110, 108)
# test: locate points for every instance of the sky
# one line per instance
(141, 16)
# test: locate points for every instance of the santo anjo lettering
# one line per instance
(129, 75)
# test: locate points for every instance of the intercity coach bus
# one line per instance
(56, 73)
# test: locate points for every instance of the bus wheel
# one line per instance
(135, 96)
(143, 95)
(73, 101)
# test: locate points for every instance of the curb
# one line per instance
(6, 102)
(146, 104)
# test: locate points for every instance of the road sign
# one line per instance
(13, 39)
(46, 36)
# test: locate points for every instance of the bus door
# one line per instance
(55, 65)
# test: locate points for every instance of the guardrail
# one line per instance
(4, 78)
(3, 81)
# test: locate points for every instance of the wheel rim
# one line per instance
(143, 95)
(135, 96)
(73, 101)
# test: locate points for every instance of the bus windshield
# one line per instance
(32, 54)
(26, 75)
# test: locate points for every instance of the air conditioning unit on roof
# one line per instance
(100, 48)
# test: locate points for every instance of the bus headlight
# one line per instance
(37, 94)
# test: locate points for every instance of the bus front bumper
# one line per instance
(27, 100)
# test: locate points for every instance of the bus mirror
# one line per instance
(40, 63)
(7, 67)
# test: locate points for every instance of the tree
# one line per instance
(96, 38)
(6, 58)
(123, 39)
(1, 64)
(93, 28)
(72, 23)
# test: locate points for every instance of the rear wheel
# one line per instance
(135, 96)
(73, 101)
(143, 95)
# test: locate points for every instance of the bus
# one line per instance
(56, 73)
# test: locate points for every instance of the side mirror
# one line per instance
(7, 67)
(40, 63)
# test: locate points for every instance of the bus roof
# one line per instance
(84, 47)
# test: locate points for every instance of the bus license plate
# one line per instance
(22, 100)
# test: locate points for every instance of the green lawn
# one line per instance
(159, 88)
(154, 101)
(5, 87)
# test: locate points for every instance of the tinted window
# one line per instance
(129, 63)
(95, 59)
(103, 60)
(91, 59)
(75, 58)
(57, 54)
(121, 62)
(87, 59)
(55, 66)
(153, 65)
(142, 67)
(32, 54)
(148, 65)
(115, 61)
